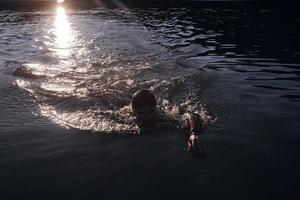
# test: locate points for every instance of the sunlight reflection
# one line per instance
(63, 33)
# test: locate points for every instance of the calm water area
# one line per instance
(66, 81)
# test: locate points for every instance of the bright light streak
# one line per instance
(63, 33)
(60, 1)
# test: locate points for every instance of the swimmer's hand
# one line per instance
(196, 147)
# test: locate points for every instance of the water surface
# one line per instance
(67, 77)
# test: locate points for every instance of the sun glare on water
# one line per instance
(62, 32)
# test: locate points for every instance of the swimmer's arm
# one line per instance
(196, 146)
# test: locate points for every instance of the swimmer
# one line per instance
(144, 108)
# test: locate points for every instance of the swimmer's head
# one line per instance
(144, 107)
(142, 99)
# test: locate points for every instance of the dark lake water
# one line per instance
(67, 77)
